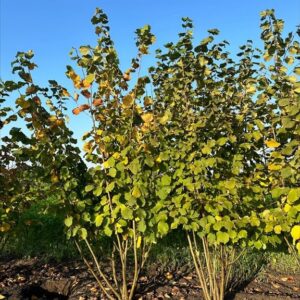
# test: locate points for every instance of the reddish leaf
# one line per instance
(80, 108)
(97, 102)
(86, 93)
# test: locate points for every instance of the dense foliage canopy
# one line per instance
(206, 142)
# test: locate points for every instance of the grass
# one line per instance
(283, 263)
(39, 231)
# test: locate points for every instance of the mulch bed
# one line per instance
(33, 279)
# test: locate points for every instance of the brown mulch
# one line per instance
(33, 279)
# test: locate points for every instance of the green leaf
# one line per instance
(112, 172)
(141, 226)
(258, 244)
(98, 191)
(163, 192)
(166, 180)
(293, 195)
(230, 184)
(90, 78)
(98, 220)
(110, 187)
(242, 234)
(162, 227)
(128, 101)
(136, 192)
(222, 141)
(134, 166)
(206, 150)
(108, 231)
(109, 163)
(89, 188)
(222, 237)
(83, 233)
(127, 213)
(84, 50)
(69, 221)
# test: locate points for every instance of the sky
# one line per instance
(52, 27)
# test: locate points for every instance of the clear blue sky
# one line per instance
(52, 27)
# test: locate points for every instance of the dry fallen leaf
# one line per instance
(275, 285)
(169, 276)
(93, 290)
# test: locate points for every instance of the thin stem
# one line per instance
(199, 271)
(136, 265)
(294, 253)
(124, 270)
(113, 267)
(210, 269)
(99, 270)
(92, 271)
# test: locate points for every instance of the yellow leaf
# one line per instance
(99, 131)
(86, 83)
(230, 184)
(22, 102)
(277, 229)
(207, 71)
(251, 89)
(297, 70)
(54, 178)
(127, 76)
(148, 101)
(295, 232)
(169, 276)
(76, 96)
(2, 297)
(292, 79)
(136, 192)
(267, 57)
(165, 118)
(128, 101)
(52, 118)
(218, 218)
(4, 227)
(293, 50)
(287, 208)
(147, 118)
(272, 144)
(266, 212)
(202, 61)
(106, 165)
(298, 247)
(116, 155)
(75, 78)
(87, 146)
(274, 167)
(90, 78)
(297, 90)
(138, 242)
(65, 93)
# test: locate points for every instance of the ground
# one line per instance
(34, 279)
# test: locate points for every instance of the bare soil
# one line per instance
(33, 279)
